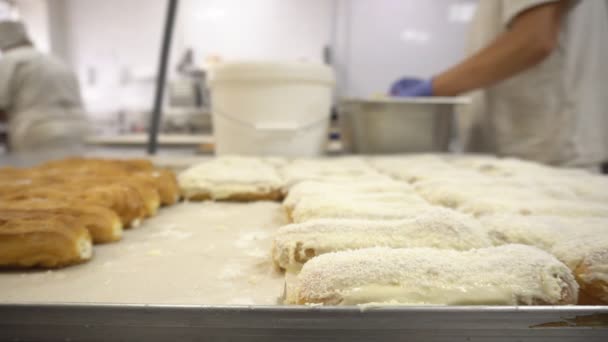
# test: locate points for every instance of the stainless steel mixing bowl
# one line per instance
(395, 125)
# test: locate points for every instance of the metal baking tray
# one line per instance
(31, 313)
(103, 322)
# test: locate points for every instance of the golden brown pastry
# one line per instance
(130, 165)
(155, 186)
(168, 186)
(105, 189)
(123, 200)
(8, 174)
(42, 240)
(103, 224)
(89, 176)
(145, 188)
(165, 183)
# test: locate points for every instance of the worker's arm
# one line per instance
(3, 116)
(531, 38)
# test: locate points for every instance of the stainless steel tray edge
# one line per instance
(103, 322)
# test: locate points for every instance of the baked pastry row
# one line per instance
(335, 217)
(580, 245)
(132, 188)
(51, 213)
(43, 240)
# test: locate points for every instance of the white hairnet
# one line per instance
(12, 33)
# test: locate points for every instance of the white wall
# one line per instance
(114, 44)
(260, 29)
(114, 34)
(58, 29)
(35, 14)
(111, 42)
(383, 40)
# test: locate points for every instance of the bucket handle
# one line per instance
(277, 128)
(270, 127)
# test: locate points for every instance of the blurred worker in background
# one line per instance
(540, 70)
(39, 96)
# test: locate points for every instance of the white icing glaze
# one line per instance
(434, 276)
(226, 176)
(437, 228)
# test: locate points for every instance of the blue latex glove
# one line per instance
(412, 87)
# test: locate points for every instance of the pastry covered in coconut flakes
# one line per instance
(538, 207)
(231, 179)
(347, 169)
(381, 206)
(416, 168)
(580, 243)
(325, 188)
(296, 244)
(587, 256)
(505, 275)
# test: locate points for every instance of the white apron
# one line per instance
(555, 112)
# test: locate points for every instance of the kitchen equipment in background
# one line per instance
(397, 125)
(185, 93)
(186, 121)
(190, 88)
(266, 108)
(182, 120)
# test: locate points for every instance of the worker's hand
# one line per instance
(412, 87)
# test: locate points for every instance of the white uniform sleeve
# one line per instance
(513, 8)
(7, 68)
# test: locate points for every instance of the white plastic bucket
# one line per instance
(262, 108)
